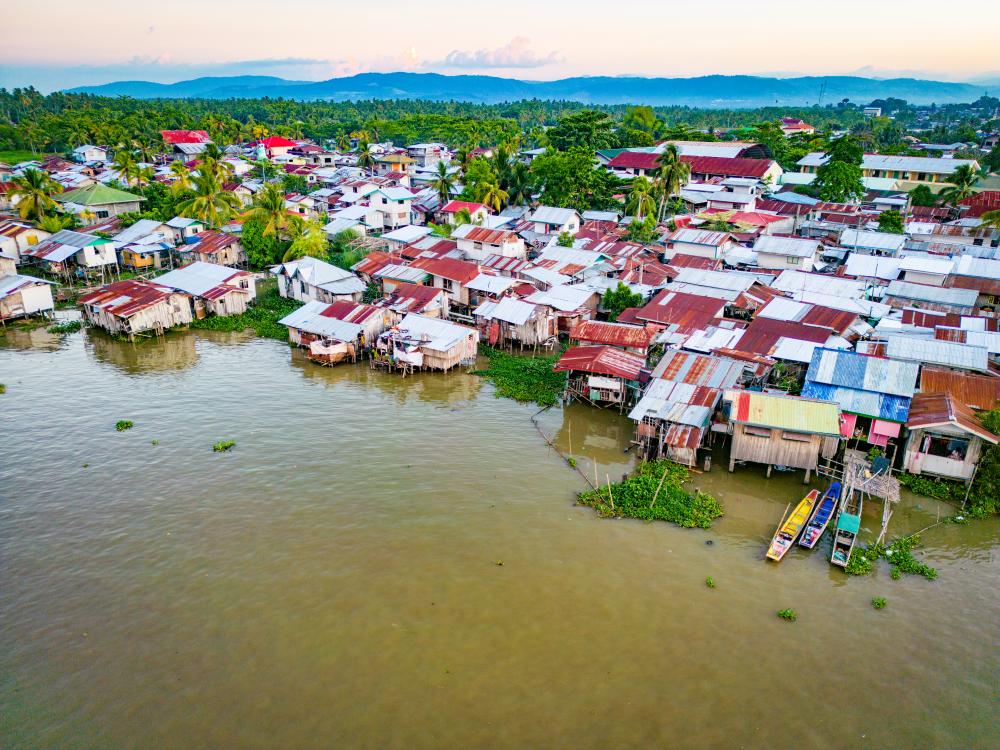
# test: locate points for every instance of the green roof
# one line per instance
(97, 195)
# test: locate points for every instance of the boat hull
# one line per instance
(790, 528)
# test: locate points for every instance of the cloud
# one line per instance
(517, 53)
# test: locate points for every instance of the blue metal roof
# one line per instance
(848, 369)
(864, 403)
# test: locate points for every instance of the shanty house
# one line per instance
(874, 393)
(946, 439)
(314, 279)
(213, 289)
(601, 375)
(926, 297)
(21, 296)
(100, 200)
(408, 298)
(67, 249)
(334, 332)
(630, 338)
(510, 321)
(429, 343)
(451, 275)
(89, 152)
(134, 306)
(552, 220)
(675, 411)
(212, 246)
(569, 304)
(17, 236)
(778, 430)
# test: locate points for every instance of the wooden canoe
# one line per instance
(820, 519)
(787, 532)
(848, 525)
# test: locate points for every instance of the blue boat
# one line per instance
(821, 516)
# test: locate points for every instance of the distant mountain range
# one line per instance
(704, 91)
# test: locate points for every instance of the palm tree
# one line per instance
(144, 175)
(33, 193)
(519, 188)
(991, 219)
(310, 240)
(210, 204)
(126, 165)
(671, 176)
(493, 195)
(640, 198)
(442, 183)
(182, 177)
(963, 182)
(269, 209)
(53, 224)
(365, 158)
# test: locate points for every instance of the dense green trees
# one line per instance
(839, 180)
(890, 221)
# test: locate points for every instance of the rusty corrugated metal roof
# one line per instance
(613, 334)
(601, 360)
(980, 392)
(938, 409)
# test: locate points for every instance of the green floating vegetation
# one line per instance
(788, 614)
(124, 424)
(655, 493)
(262, 317)
(524, 379)
(939, 489)
(899, 555)
(3, 388)
(710, 582)
(66, 326)
(878, 602)
(154, 442)
(223, 445)
(571, 461)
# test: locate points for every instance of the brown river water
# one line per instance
(332, 582)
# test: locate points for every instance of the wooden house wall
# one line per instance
(776, 449)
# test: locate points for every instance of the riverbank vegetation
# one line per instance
(655, 492)
(522, 378)
(66, 326)
(261, 317)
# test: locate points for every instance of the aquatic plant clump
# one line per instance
(66, 326)
(524, 379)
(788, 614)
(124, 424)
(878, 602)
(261, 317)
(710, 582)
(3, 388)
(655, 493)
(223, 445)
(899, 555)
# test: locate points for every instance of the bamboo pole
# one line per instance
(609, 492)
(657, 493)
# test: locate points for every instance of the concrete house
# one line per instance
(698, 242)
(88, 153)
(787, 252)
(100, 200)
(553, 220)
(476, 242)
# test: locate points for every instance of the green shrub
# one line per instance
(899, 555)
(124, 424)
(710, 582)
(261, 317)
(634, 497)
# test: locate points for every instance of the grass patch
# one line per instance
(262, 318)
(24, 324)
(223, 445)
(524, 379)
(788, 614)
(124, 424)
(66, 326)
(899, 555)
(637, 497)
(14, 156)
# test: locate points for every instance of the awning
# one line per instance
(847, 422)
(889, 429)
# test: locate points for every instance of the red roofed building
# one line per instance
(134, 306)
(763, 335)
(215, 247)
(451, 275)
(406, 298)
(601, 374)
(631, 338)
(276, 145)
(681, 312)
(177, 137)
(980, 203)
(477, 211)
(641, 164)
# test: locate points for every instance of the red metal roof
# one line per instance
(417, 296)
(723, 166)
(601, 360)
(695, 261)
(211, 242)
(635, 160)
(448, 268)
(930, 319)
(348, 311)
(373, 262)
(126, 298)
(453, 207)
(784, 207)
(763, 333)
(175, 137)
(689, 312)
(980, 203)
(276, 141)
(613, 334)
(754, 218)
(490, 236)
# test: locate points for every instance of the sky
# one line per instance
(54, 44)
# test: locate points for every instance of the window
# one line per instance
(791, 260)
(447, 284)
(945, 447)
(761, 432)
(796, 437)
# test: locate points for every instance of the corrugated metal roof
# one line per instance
(931, 351)
(202, 279)
(310, 318)
(864, 403)
(681, 403)
(792, 247)
(799, 281)
(699, 369)
(510, 310)
(785, 412)
(689, 312)
(563, 297)
(981, 392)
(959, 298)
(401, 273)
(613, 334)
(989, 340)
(601, 360)
(763, 335)
(872, 240)
(930, 410)
(861, 372)
(126, 298)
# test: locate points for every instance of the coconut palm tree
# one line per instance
(270, 210)
(963, 181)
(365, 158)
(126, 165)
(144, 176)
(57, 223)
(442, 183)
(182, 177)
(519, 191)
(210, 204)
(493, 195)
(991, 219)
(309, 240)
(640, 198)
(671, 175)
(33, 192)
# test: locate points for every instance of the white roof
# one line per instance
(546, 275)
(491, 284)
(863, 307)
(11, 282)
(894, 163)
(323, 275)
(872, 240)
(197, 278)
(563, 297)
(440, 334)
(981, 268)
(733, 281)
(514, 311)
(141, 228)
(710, 148)
(552, 215)
(792, 247)
(401, 273)
(714, 337)
(872, 266)
(308, 318)
(358, 213)
(337, 226)
(670, 401)
(799, 281)
(406, 234)
(927, 293)
(932, 351)
(797, 350)
(932, 265)
(180, 222)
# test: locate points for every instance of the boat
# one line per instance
(821, 516)
(789, 529)
(848, 525)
